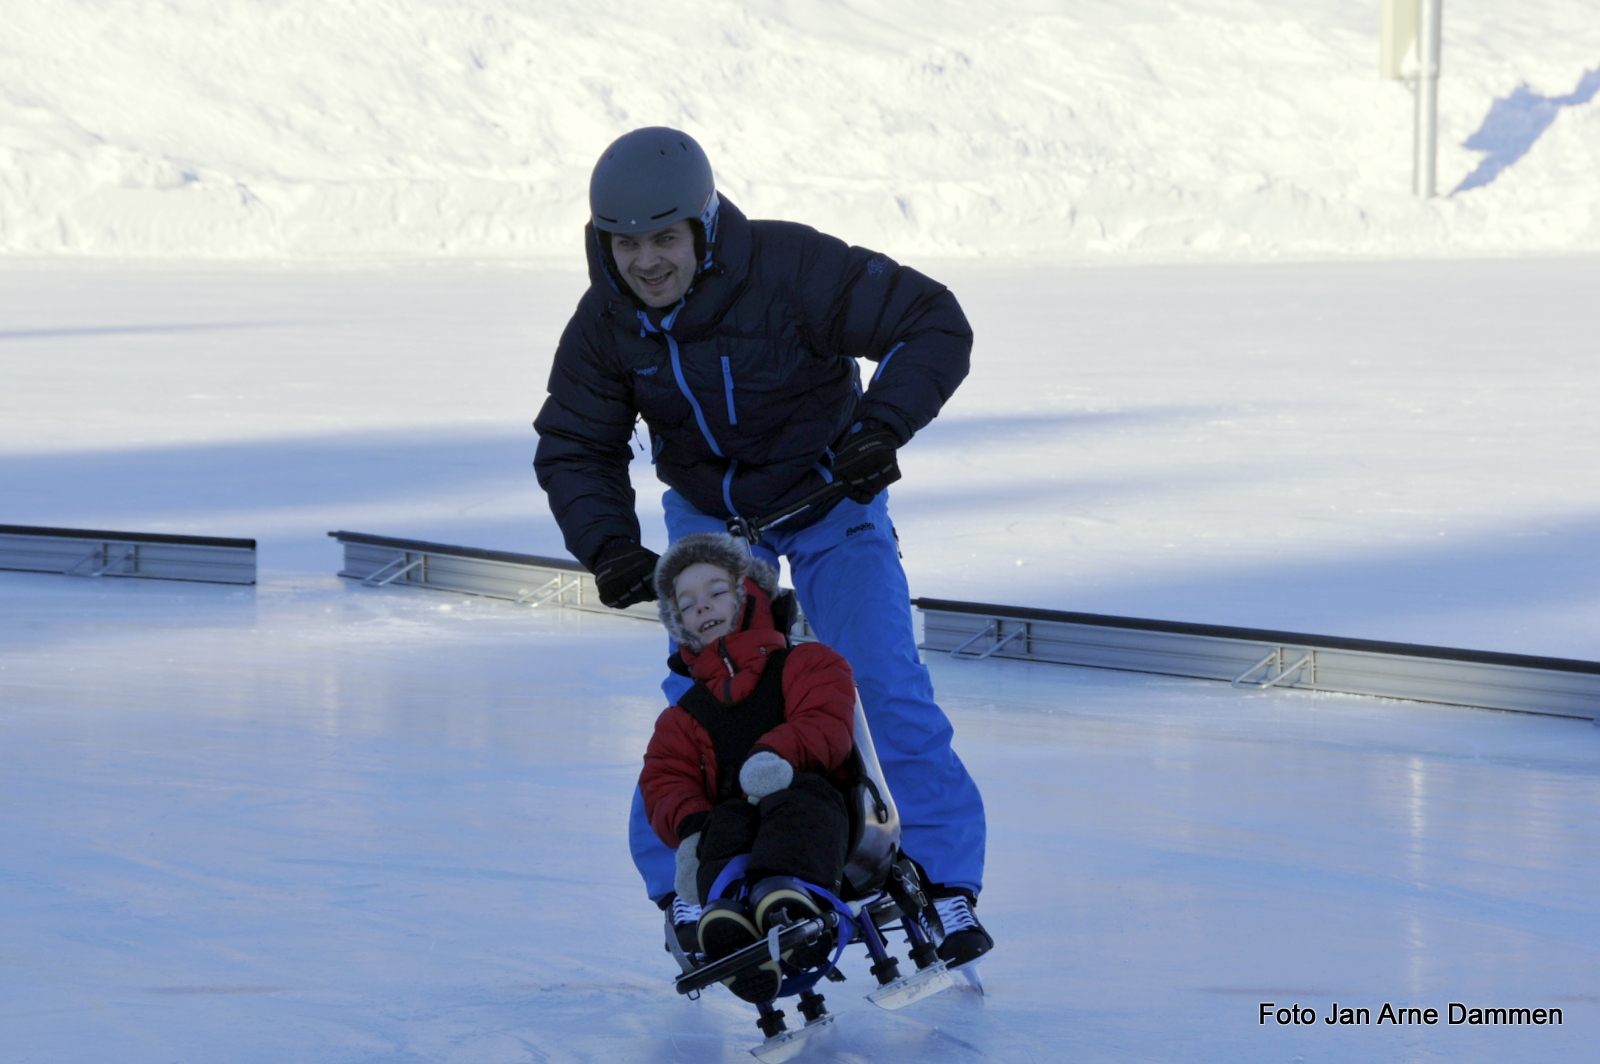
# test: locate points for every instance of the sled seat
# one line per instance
(874, 820)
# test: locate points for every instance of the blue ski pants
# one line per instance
(847, 575)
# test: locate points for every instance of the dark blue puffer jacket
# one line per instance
(748, 384)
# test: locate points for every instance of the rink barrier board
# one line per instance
(526, 579)
(1255, 658)
(1245, 657)
(144, 555)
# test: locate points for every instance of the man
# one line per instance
(736, 342)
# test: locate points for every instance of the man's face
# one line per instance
(705, 601)
(658, 266)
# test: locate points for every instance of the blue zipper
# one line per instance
(677, 374)
(683, 386)
(727, 387)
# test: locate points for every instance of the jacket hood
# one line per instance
(727, 553)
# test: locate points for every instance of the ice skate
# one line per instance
(683, 931)
(965, 939)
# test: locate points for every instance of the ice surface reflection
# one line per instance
(315, 822)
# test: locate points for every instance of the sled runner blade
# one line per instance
(913, 988)
(787, 1044)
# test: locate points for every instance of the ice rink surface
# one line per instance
(322, 823)
(1381, 450)
(319, 823)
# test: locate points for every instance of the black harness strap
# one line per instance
(734, 729)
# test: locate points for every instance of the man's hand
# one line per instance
(626, 573)
(867, 462)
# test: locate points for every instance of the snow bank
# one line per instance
(293, 128)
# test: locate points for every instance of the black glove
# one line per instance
(625, 573)
(866, 462)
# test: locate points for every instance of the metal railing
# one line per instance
(148, 555)
(1258, 659)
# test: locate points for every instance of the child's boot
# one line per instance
(726, 927)
(779, 900)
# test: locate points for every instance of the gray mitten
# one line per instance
(687, 881)
(763, 773)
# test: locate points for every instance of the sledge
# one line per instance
(883, 895)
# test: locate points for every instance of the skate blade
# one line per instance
(784, 1046)
(920, 984)
(973, 978)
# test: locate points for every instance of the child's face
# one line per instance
(705, 601)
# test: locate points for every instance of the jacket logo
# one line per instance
(860, 528)
(876, 267)
(646, 370)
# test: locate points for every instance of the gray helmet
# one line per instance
(650, 178)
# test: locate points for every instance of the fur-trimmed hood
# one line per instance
(714, 548)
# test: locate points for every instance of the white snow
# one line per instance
(1233, 128)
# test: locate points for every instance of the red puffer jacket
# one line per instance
(817, 733)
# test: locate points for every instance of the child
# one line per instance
(741, 764)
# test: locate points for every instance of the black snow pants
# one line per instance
(800, 831)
